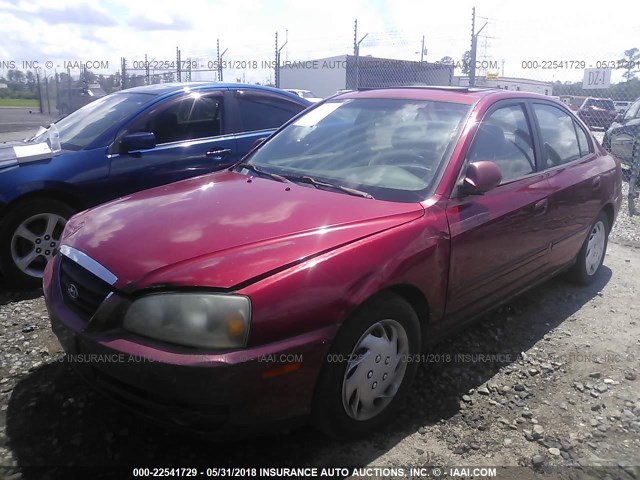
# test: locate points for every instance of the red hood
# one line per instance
(221, 230)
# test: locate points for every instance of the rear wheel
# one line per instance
(591, 255)
(369, 369)
(31, 235)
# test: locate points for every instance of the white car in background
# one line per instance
(306, 94)
(621, 106)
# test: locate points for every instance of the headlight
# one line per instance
(206, 320)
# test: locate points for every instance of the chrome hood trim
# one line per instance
(89, 264)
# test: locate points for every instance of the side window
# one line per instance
(189, 118)
(263, 112)
(583, 141)
(504, 137)
(559, 139)
(633, 111)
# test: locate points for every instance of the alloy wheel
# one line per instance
(35, 241)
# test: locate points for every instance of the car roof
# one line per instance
(464, 95)
(168, 88)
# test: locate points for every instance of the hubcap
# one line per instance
(375, 370)
(35, 241)
(595, 248)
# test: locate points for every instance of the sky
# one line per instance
(516, 32)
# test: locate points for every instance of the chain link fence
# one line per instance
(603, 93)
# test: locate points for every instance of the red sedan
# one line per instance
(305, 281)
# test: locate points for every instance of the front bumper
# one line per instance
(204, 392)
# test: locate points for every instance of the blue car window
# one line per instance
(262, 112)
(192, 117)
(85, 125)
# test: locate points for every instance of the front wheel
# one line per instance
(369, 369)
(31, 235)
(591, 255)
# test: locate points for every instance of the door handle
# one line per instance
(596, 183)
(541, 207)
(218, 154)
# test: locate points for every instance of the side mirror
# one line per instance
(258, 142)
(619, 118)
(481, 177)
(137, 141)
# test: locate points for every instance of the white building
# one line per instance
(509, 83)
(325, 76)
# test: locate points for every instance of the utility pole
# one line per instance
(356, 51)
(146, 69)
(422, 50)
(123, 79)
(474, 48)
(276, 70)
(179, 67)
(278, 50)
(46, 89)
(220, 55)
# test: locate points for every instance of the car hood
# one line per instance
(224, 229)
(24, 152)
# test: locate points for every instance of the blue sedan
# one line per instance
(127, 141)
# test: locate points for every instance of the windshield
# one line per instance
(391, 149)
(83, 126)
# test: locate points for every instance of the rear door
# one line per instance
(257, 115)
(572, 169)
(499, 241)
(192, 138)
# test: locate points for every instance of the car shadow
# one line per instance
(55, 420)
(9, 294)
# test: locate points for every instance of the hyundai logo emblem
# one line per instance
(72, 290)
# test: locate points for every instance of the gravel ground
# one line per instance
(550, 380)
(627, 229)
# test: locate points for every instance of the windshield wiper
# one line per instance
(255, 168)
(319, 184)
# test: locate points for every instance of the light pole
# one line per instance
(278, 63)
(358, 60)
(474, 46)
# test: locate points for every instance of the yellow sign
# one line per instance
(492, 76)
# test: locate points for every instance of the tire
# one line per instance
(338, 407)
(32, 232)
(592, 252)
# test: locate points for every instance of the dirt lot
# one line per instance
(550, 381)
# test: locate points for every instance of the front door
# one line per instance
(498, 240)
(191, 140)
